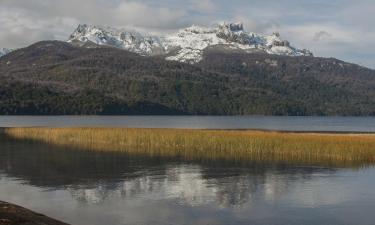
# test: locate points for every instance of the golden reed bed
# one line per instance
(302, 148)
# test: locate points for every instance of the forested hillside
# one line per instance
(57, 78)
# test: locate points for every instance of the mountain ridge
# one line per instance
(187, 44)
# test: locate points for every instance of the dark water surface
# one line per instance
(344, 124)
(83, 188)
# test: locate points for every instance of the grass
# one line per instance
(302, 148)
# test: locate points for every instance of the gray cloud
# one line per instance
(338, 28)
(322, 35)
(204, 6)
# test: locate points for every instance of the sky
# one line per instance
(344, 29)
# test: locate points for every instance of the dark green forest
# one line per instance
(56, 78)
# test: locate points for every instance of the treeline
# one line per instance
(21, 99)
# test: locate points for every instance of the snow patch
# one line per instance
(5, 51)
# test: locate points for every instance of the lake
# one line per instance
(335, 124)
(96, 188)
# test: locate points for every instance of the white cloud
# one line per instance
(256, 25)
(334, 41)
(138, 14)
(25, 22)
(322, 36)
(20, 29)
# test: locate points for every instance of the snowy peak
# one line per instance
(129, 40)
(4, 51)
(192, 42)
(234, 33)
(188, 44)
(234, 27)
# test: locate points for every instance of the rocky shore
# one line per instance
(15, 215)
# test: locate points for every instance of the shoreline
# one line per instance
(11, 214)
(205, 129)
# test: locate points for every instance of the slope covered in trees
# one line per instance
(58, 78)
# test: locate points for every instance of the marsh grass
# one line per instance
(302, 148)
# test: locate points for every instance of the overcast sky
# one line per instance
(344, 29)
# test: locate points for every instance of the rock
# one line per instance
(15, 215)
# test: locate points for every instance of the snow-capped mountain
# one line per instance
(4, 51)
(129, 40)
(186, 45)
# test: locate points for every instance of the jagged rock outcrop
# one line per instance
(185, 45)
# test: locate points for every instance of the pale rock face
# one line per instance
(187, 45)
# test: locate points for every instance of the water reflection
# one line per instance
(122, 189)
(92, 177)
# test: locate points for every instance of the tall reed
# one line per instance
(302, 148)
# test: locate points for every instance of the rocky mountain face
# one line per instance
(186, 45)
(59, 78)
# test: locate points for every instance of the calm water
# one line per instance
(359, 124)
(105, 188)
